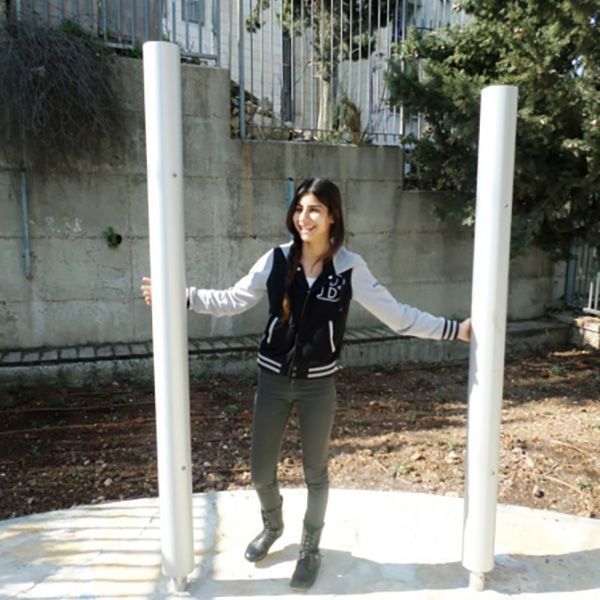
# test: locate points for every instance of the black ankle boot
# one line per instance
(273, 528)
(309, 559)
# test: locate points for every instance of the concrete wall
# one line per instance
(83, 292)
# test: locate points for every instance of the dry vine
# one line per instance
(56, 96)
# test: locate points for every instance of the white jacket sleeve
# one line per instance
(401, 318)
(245, 294)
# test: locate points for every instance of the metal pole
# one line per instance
(359, 62)
(488, 312)
(350, 56)
(164, 149)
(251, 40)
(173, 22)
(370, 71)
(312, 67)
(293, 65)
(340, 53)
(201, 7)
(241, 69)
(302, 65)
(273, 62)
(217, 29)
(230, 36)
(262, 76)
(331, 100)
(185, 15)
(320, 95)
(133, 24)
(25, 223)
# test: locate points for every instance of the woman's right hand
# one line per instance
(146, 288)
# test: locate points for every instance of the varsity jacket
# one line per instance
(308, 344)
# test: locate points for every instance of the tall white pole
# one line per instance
(164, 149)
(488, 313)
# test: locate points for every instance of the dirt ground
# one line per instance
(396, 429)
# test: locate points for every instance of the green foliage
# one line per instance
(551, 51)
(34, 453)
(231, 409)
(331, 23)
(113, 239)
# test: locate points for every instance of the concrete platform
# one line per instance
(375, 545)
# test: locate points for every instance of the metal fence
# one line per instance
(127, 24)
(310, 69)
(315, 68)
(583, 279)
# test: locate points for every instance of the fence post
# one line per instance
(241, 69)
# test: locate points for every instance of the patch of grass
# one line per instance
(8, 402)
(585, 485)
(222, 393)
(398, 469)
(231, 409)
(57, 402)
(34, 453)
(452, 444)
(247, 378)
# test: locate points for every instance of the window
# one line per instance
(192, 11)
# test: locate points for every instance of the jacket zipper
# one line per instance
(298, 331)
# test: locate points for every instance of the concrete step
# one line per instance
(235, 355)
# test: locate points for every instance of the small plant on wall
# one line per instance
(113, 239)
(56, 96)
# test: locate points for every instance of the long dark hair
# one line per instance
(328, 194)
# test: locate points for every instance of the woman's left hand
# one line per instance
(464, 331)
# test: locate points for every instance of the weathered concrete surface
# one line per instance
(380, 545)
(83, 292)
(586, 331)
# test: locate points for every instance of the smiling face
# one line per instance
(312, 220)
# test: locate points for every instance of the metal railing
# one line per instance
(310, 69)
(127, 24)
(315, 68)
(583, 279)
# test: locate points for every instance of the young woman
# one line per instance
(309, 283)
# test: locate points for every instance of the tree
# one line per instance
(551, 51)
(330, 22)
